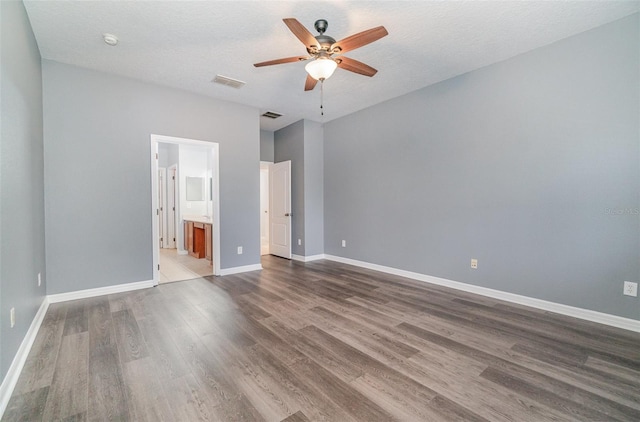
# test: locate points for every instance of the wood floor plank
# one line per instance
(68, 394)
(38, 370)
(392, 400)
(79, 417)
(296, 417)
(107, 390)
(145, 395)
(341, 366)
(168, 362)
(349, 400)
(312, 402)
(27, 406)
(322, 341)
(189, 401)
(484, 398)
(76, 320)
(452, 411)
(130, 342)
(597, 404)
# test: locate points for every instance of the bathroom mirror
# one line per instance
(195, 189)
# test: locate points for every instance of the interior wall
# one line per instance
(302, 143)
(530, 166)
(313, 188)
(97, 195)
(289, 145)
(22, 254)
(266, 146)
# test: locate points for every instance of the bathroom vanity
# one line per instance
(197, 237)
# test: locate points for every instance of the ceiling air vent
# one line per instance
(224, 80)
(271, 115)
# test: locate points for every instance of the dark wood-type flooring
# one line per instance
(322, 341)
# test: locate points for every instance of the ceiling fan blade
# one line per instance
(360, 39)
(280, 61)
(310, 83)
(301, 32)
(355, 66)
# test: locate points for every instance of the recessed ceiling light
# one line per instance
(110, 39)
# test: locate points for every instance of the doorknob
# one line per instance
(288, 215)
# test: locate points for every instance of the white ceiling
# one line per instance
(184, 44)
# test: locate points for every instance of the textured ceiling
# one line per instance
(184, 44)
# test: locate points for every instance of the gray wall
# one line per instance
(97, 191)
(167, 155)
(22, 254)
(266, 146)
(313, 188)
(530, 165)
(302, 143)
(289, 145)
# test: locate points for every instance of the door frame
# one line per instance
(162, 216)
(266, 167)
(172, 224)
(215, 151)
(288, 215)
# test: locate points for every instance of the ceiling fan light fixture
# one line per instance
(321, 68)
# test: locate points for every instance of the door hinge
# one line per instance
(174, 239)
(173, 177)
(174, 208)
(156, 155)
(157, 211)
(158, 267)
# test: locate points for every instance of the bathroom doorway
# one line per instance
(190, 246)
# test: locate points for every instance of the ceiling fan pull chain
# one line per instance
(322, 97)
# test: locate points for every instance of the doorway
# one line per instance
(197, 161)
(280, 209)
(264, 207)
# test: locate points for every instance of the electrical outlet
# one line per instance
(344, 243)
(39, 279)
(299, 242)
(474, 264)
(239, 250)
(630, 289)
(12, 317)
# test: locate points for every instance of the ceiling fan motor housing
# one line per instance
(324, 41)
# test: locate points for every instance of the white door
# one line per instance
(171, 208)
(280, 207)
(162, 189)
(264, 209)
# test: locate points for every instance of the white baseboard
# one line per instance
(11, 378)
(307, 258)
(243, 269)
(118, 288)
(586, 314)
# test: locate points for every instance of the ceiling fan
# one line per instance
(326, 53)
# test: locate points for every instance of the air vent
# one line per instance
(224, 80)
(271, 115)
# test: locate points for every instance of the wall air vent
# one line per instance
(271, 115)
(224, 80)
